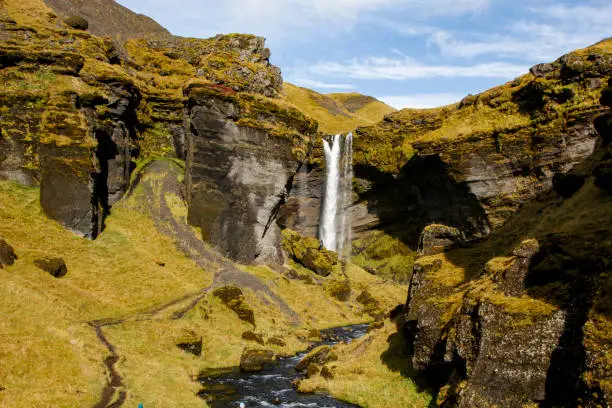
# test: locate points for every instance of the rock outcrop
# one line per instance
(520, 317)
(239, 174)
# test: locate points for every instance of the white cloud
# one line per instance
(287, 18)
(543, 35)
(421, 101)
(321, 85)
(406, 68)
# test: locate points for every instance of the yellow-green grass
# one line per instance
(50, 356)
(329, 111)
(372, 372)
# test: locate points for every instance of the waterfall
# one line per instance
(335, 228)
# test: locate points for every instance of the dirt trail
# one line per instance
(156, 180)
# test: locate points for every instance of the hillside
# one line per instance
(337, 112)
(108, 18)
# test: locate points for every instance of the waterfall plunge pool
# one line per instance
(273, 387)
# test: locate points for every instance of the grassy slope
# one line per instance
(44, 330)
(371, 372)
(337, 113)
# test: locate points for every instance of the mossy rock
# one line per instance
(370, 305)
(190, 342)
(339, 289)
(254, 360)
(252, 336)
(308, 252)
(7, 254)
(77, 22)
(234, 299)
(56, 267)
(276, 341)
(319, 355)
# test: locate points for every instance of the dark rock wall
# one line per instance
(237, 179)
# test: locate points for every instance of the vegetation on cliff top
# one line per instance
(339, 112)
(517, 109)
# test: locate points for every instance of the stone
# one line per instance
(253, 360)
(7, 254)
(312, 370)
(190, 342)
(542, 70)
(435, 238)
(319, 356)
(309, 252)
(252, 336)
(56, 267)
(77, 22)
(234, 299)
(276, 341)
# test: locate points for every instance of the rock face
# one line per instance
(79, 185)
(508, 321)
(237, 179)
(472, 165)
(302, 210)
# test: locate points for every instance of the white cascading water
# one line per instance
(334, 228)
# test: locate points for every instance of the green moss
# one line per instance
(309, 253)
(156, 142)
(339, 289)
(384, 255)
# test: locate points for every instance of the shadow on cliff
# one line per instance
(423, 193)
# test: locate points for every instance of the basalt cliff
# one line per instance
(161, 200)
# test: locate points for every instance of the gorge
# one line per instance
(169, 207)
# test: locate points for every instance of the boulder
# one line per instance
(309, 252)
(7, 254)
(319, 355)
(77, 22)
(252, 336)
(541, 70)
(190, 342)
(436, 237)
(312, 370)
(254, 360)
(276, 341)
(56, 267)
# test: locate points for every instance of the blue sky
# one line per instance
(408, 53)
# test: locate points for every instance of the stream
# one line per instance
(272, 387)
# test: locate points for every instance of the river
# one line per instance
(272, 387)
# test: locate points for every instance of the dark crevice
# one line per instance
(106, 150)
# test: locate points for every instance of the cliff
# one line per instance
(507, 191)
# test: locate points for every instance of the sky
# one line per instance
(407, 53)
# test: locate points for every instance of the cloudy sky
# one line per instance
(409, 53)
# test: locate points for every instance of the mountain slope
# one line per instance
(109, 18)
(337, 112)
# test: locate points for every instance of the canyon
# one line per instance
(201, 211)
